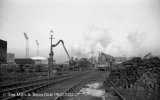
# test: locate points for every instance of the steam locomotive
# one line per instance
(81, 64)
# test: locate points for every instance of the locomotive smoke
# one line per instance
(100, 39)
(94, 39)
(136, 39)
(97, 35)
(78, 51)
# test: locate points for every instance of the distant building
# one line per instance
(24, 61)
(92, 60)
(10, 58)
(39, 60)
(3, 51)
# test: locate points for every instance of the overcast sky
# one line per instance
(116, 27)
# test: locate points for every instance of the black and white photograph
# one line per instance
(79, 49)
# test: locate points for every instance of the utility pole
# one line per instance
(51, 56)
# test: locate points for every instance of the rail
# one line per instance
(40, 86)
(27, 82)
(70, 89)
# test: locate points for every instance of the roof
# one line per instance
(38, 58)
(148, 56)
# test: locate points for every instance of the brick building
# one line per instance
(3, 51)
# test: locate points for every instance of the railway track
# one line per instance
(18, 84)
(69, 91)
(115, 95)
(19, 90)
(59, 89)
(62, 90)
(71, 87)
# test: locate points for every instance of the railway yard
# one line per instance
(79, 50)
(104, 78)
(135, 79)
(55, 88)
